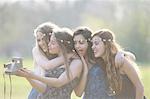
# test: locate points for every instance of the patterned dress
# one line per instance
(97, 86)
(63, 92)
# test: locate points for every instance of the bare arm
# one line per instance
(130, 71)
(46, 64)
(39, 86)
(81, 86)
(75, 70)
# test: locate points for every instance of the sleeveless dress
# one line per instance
(128, 90)
(63, 92)
(96, 87)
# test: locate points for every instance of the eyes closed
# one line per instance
(42, 39)
(80, 41)
(96, 41)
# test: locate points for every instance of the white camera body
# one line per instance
(13, 66)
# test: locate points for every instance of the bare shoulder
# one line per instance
(128, 66)
(76, 64)
(122, 56)
(76, 67)
(123, 62)
(76, 61)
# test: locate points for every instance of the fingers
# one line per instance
(19, 73)
(25, 70)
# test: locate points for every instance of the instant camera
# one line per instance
(15, 64)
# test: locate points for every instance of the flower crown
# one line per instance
(62, 41)
(107, 40)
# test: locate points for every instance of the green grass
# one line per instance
(146, 80)
(21, 87)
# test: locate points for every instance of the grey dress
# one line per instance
(128, 90)
(63, 92)
(97, 86)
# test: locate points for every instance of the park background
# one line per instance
(128, 19)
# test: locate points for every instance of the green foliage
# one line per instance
(129, 19)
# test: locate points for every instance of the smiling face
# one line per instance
(53, 45)
(98, 46)
(80, 44)
(41, 41)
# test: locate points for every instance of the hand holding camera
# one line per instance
(23, 72)
(13, 66)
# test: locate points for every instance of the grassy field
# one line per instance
(21, 87)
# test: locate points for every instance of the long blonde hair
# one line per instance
(45, 28)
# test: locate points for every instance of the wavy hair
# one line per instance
(65, 41)
(111, 48)
(86, 33)
(45, 28)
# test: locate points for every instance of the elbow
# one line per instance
(42, 89)
(78, 94)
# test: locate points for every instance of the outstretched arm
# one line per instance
(83, 79)
(39, 86)
(75, 70)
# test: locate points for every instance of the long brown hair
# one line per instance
(111, 48)
(86, 33)
(65, 41)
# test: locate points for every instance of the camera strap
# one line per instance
(4, 85)
(10, 85)
(10, 94)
